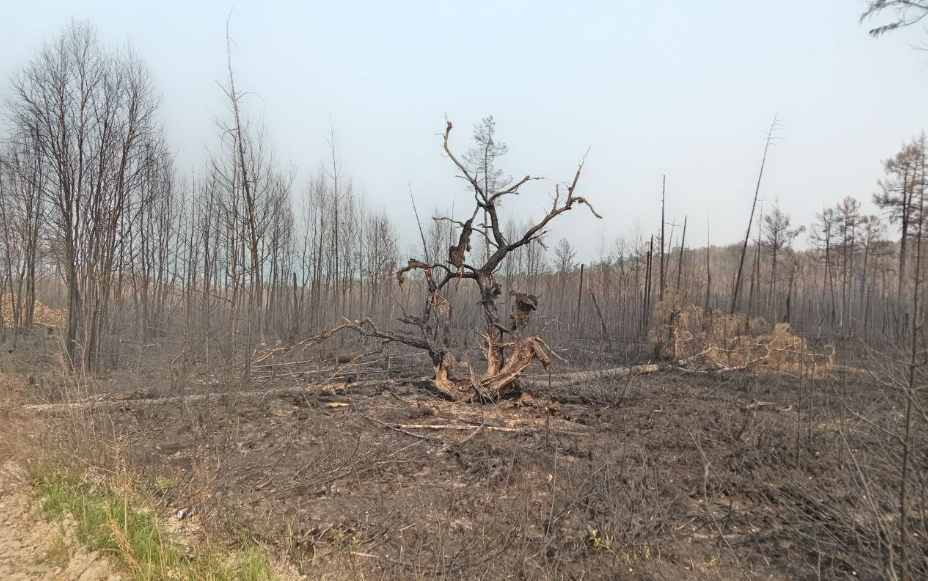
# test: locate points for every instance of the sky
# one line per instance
(682, 89)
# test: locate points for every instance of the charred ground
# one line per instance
(663, 476)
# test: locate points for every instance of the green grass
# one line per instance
(124, 525)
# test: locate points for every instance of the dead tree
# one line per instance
(505, 358)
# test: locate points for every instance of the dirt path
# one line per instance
(32, 549)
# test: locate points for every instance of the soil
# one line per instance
(34, 549)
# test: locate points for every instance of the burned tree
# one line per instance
(778, 237)
(901, 190)
(905, 13)
(507, 350)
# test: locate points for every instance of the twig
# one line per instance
(399, 429)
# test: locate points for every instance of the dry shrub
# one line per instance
(683, 331)
(42, 314)
(12, 388)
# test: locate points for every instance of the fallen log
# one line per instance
(581, 377)
(106, 404)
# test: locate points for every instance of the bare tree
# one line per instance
(89, 115)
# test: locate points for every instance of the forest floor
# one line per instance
(662, 476)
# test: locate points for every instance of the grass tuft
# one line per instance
(122, 524)
(58, 552)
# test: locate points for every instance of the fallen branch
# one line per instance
(766, 405)
(400, 430)
(454, 427)
(477, 428)
(308, 342)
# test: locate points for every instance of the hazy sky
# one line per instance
(686, 89)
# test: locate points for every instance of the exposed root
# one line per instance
(520, 355)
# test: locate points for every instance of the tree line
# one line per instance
(95, 218)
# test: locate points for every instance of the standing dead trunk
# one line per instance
(680, 261)
(646, 305)
(789, 293)
(579, 300)
(660, 289)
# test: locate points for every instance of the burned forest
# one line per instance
(222, 362)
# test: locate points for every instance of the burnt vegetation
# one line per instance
(483, 408)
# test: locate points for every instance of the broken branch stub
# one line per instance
(458, 251)
(522, 309)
